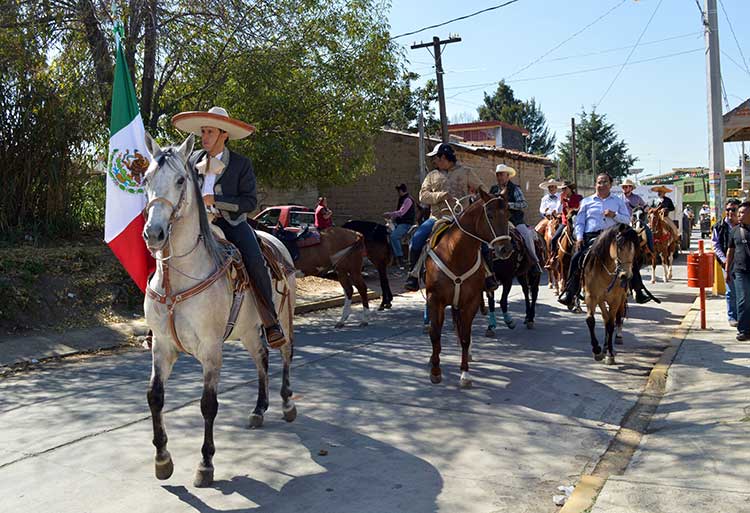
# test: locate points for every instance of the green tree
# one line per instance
(611, 153)
(502, 105)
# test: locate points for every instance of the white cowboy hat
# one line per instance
(629, 182)
(502, 168)
(215, 117)
(549, 183)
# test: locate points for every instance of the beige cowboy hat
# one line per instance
(549, 183)
(629, 182)
(215, 117)
(502, 168)
(661, 188)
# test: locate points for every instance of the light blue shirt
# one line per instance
(591, 216)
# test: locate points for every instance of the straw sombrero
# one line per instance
(661, 188)
(502, 168)
(215, 117)
(549, 183)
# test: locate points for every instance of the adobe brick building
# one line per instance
(397, 161)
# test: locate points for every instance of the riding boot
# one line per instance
(490, 283)
(636, 284)
(412, 282)
(568, 297)
(274, 334)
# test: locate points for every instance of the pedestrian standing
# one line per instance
(720, 240)
(738, 262)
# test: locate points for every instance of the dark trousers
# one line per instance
(556, 239)
(245, 239)
(741, 281)
(574, 279)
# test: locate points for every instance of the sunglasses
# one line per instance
(731, 210)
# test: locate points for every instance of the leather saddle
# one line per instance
(294, 241)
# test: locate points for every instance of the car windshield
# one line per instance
(270, 218)
(301, 219)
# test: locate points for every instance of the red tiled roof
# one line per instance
(478, 125)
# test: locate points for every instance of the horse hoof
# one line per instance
(599, 356)
(291, 414)
(436, 378)
(164, 468)
(618, 340)
(609, 360)
(529, 324)
(465, 383)
(489, 333)
(339, 325)
(256, 421)
(203, 477)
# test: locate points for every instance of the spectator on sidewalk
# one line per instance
(738, 269)
(323, 214)
(720, 240)
(403, 218)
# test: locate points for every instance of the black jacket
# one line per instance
(235, 192)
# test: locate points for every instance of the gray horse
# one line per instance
(189, 299)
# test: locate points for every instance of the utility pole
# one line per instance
(436, 42)
(573, 154)
(743, 177)
(593, 160)
(717, 179)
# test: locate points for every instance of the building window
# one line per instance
(688, 188)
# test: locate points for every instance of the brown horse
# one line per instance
(607, 270)
(340, 250)
(665, 243)
(565, 249)
(378, 246)
(553, 272)
(455, 273)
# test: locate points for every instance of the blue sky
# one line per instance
(657, 107)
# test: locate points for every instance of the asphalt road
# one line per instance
(372, 435)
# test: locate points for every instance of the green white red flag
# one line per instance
(127, 163)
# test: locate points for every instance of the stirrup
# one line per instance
(275, 336)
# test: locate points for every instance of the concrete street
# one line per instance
(372, 435)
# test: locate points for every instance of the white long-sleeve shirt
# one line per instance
(550, 204)
(591, 218)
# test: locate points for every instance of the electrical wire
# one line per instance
(610, 50)
(731, 28)
(454, 20)
(643, 32)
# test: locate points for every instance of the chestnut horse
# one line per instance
(455, 273)
(607, 270)
(379, 251)
(665, 243)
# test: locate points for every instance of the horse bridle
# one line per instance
(496, 238)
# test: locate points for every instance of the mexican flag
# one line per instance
(127, 163)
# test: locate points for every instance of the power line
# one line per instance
(643, 32)
(731, 28)
(610, 50)
(563, 42)
(725, 54)
(476, 87)
(454, 20)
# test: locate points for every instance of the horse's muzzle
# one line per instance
(154, 236)
(503, 250)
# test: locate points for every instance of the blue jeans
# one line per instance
(731, 302)
(650, 238)
(741, 291)
(421, 235)
(398, 232)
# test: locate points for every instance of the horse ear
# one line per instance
(484, 195)
(151, 145)
(186, 148)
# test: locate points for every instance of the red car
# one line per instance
(291, 217)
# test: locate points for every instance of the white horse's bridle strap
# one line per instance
(457, 280)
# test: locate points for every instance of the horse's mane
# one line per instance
(621, 233)
(371, 230)
(215, 250)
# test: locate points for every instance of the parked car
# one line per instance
(294, 218)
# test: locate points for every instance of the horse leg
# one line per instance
(618, 324)
(426, 320)
(464, 319)
(204, 475)
(346, 284)
(491, 320)
(163, 360)
(288, 407)
(507, 283)
(385, 286)
(437, 317)
(359, 282)
(653, 268)
(591, 323)
(260, 355)
(529, 318)
(609, 330)
(668, 268)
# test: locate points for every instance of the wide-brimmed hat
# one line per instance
(567, 184)
(502, 168)
(661, 188)
(215, 117)
(401, 187)
(549, 183)
(629, 182)
(441, 149)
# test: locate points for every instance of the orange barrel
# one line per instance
(700, 270)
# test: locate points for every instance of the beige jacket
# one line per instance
(439, 186)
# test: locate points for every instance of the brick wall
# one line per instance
(396, 162)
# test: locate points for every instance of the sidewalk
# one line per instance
(695, 452)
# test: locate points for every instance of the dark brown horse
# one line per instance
(455, 273)
(521, 266)
(378, 245)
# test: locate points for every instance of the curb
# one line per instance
(633, 426)
(330, 303)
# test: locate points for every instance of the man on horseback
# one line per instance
(597, 213)
(667, 206)
(550, 204)
(569, 200)
(403, 218)
(441, 189)
(633, 201)
(234, 196)
(516, 204)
